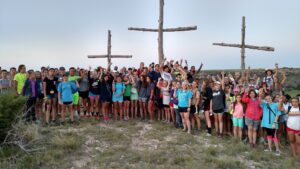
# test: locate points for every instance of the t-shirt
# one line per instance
(218, 100)
(196, 95)
(166, 95)
(183, 97)
(20, 78)
(269, 81)
(66, 89)
(127, 92)
(166, 76)
(83, 84)
(229, 99)
(293, 121)
(238, 111)
(268, 116)
(94, 86)
(5, 83)
(51, 85)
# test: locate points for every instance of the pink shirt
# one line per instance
(254, 111)
(238, 111)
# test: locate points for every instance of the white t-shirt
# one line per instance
(166, 95)
(166, 76)
(293, 121)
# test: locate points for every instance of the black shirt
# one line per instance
(51, 85)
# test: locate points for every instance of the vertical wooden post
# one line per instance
(109, 50)
(160, 32)
(243, 65)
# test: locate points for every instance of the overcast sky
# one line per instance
(64, 32)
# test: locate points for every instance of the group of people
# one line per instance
(243, 104)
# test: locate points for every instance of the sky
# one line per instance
(63, 32)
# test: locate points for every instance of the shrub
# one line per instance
(10, 107)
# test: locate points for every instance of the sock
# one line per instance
(209, 130)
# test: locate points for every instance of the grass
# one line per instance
(137, 144)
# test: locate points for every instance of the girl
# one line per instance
(184, 103)
(253, 115)
(94, 94)
(118, 89)
(142, 89)
(166, 99)
(83, 90)
(65, 91)
(30, 91)
(19, 79)
(195, 103)
(159, 100)
(134, 95)
(174, 100)
(293, 127)
(217, 105)
(50, 95)
(237, 109)
(40, 95)
(5, 83)
(271, 112)
(127, 95)
(207, 96)
(106, 96)
(150, 96)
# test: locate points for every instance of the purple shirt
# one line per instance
(32, 88)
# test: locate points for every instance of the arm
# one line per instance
(182, 72)
(222, 80)
(44, 89)
(283, 79)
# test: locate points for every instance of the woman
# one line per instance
(94, 94)
(106, 96)
(184, 103)
(127, 95)
(271, 112)
(293, 127)
(118, 89)
(253, 115)
(19, 79)
(65, 91)
(195, 104)
(237, 109)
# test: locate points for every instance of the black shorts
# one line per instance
(126, 98)
(84, 95)
(183, 109)
(193, 109)
(105, 100)
(40, 96)
(166, 106)
(219, 111)
(159, 103)
(67, 103)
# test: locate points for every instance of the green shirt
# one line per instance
(128, 90)
(20, 78)
(73, 78)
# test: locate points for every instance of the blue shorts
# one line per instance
(52, 96)
(238, 122)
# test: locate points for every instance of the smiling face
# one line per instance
(295, 102)
(238, 98)
(252, 94)
(268, 99)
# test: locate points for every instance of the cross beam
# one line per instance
(109, 56)
(243, 46)
(161, 30)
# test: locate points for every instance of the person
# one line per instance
(142, 90)
(159, 100)
(207, 96)
(174, 101)
(237, 109)
(39, 96)
(30, 91)
(293, 127)
(74, 78)
(19, 79)
(5, 83)
(50, 95)
(83, 90)
(94, 94)
(166, 99)
(271, 112)
(184, 96)
(118, 89)
(65, 90)
(106, 96)
(127, 95)
(194, 105)
(217, 105)
(134, 96)
(150, 98)
(253, 115)
(227, 116)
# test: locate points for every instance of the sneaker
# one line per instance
(278, 153)
(208, 134)
(267, 150)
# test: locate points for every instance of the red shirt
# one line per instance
(253, 110)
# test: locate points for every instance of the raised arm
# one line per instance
(222, 80)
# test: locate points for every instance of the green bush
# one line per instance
(10, 107)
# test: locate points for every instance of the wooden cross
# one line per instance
(109, 56)
(243, 45)
(161, 30)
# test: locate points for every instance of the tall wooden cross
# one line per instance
(109, 56)
(161, 30)
(243, 45)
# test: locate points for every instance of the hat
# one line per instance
(217, 82)
(62, 68)
(267, 70)
(236, 89)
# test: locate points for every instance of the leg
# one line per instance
(54, 105)
(183, 121)
(48, 103)
(292, 138)
(220, 119)
(121, 110)
(297, 145)
(250, 133)
(208, 122)
(63, 112)
(188, 123)
(115, 111)
(216, 123)
(71, 112)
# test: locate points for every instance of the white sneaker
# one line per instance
(267, 150)
(208, 135)
(278, 153)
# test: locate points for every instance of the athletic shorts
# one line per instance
(183, 109)
(75, 98)
(292, 130)
(143, 99)
(84, 95)
(254, 123)
(193, 109)
(67, 103)
(220, 111)
(52, 96)
(159, 103)
(126, 98)
(105, 100)
(166, 106)
(93, 96)
(238, 122)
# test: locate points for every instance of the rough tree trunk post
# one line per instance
(161, 31)
(243, 46)
(109, 56)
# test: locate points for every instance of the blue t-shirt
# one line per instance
(66, 89)
(119, 87)
(183, 97)
(268, 116)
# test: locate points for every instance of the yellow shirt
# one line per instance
(20, 78)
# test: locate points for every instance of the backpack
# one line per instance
(282, 117)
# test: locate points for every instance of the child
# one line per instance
(94, 94)
(40, 95)
(118, 89)
(30, 91)
(134, 96)
(127, 95)
(5, 83)
(19, 79)
(65, 91)
(237, 110)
